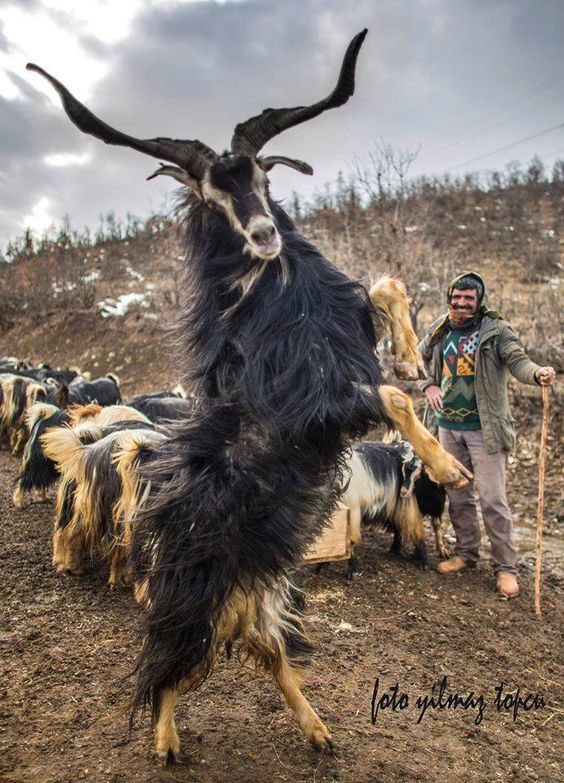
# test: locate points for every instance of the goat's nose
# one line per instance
(265, 234)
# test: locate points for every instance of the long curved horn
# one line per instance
(272, 160)
(192, 155)
(251, 136)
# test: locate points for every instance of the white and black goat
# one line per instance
(386, 484)
(281, 350)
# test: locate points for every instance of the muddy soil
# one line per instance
(67, 646)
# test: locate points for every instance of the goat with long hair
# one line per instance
(280, 347)
(87, 521)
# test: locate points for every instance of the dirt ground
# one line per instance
(68, 644)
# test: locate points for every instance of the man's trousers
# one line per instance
(489, 481)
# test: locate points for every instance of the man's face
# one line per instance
(465, 302)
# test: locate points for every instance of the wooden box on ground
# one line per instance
(334, 542)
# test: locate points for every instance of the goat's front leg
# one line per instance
(389, 298)
(167, 741)
(445, 468)
(308, 720)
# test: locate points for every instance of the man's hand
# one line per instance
(434, 397)
(545, 376)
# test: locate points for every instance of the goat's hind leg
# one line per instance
(278, 636)
(288, 680)
(167, 741)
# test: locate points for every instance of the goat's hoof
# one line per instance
(353, 575)
(455, 477)
(321, 739)
(169, 758)
(406, 371)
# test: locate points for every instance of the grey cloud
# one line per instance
(430, 71)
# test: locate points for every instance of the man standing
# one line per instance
(466, 354)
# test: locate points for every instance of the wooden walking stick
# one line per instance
(540, 511)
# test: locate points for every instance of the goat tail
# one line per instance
(15, 401)
(79, 413)
(62, 445)
(133, 447)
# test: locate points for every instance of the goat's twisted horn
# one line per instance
(251, 136)
(192, 155)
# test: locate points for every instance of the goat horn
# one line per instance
(271, 160)
(251, 136)
(192, 155)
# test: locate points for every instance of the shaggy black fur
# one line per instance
(103, 391)
(239, 490)
(430, 496)
(163, 409)
(39, 472)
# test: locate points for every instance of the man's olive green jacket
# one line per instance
(498, 350)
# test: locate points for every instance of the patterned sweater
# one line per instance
(460, 410)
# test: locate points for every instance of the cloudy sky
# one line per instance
(472, 83)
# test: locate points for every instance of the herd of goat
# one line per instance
(78, 433)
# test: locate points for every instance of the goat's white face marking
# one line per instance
(238, 186)
(411, 469)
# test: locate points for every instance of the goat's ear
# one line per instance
(180, 175)
(271, 160)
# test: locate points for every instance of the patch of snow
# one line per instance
(462, 227)
(549, 232)
(134, 273)
(58, 289)
(119, 307)
(91, 277)
(411, 229)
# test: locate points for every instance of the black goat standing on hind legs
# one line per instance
(281, 347)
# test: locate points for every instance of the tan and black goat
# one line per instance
(91, 508)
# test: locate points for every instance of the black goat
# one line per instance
(163, 409)
(103, 391)
(281, 347)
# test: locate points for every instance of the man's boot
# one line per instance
(507, 584)
(453, 565)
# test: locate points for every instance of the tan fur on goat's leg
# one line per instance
(167, 741)
(40, 494)
(67, 550)
(118, 566)
(18, 496)
(389, 297)
(439, 540)
(445, 468)
(308, 720)
(355, 531)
